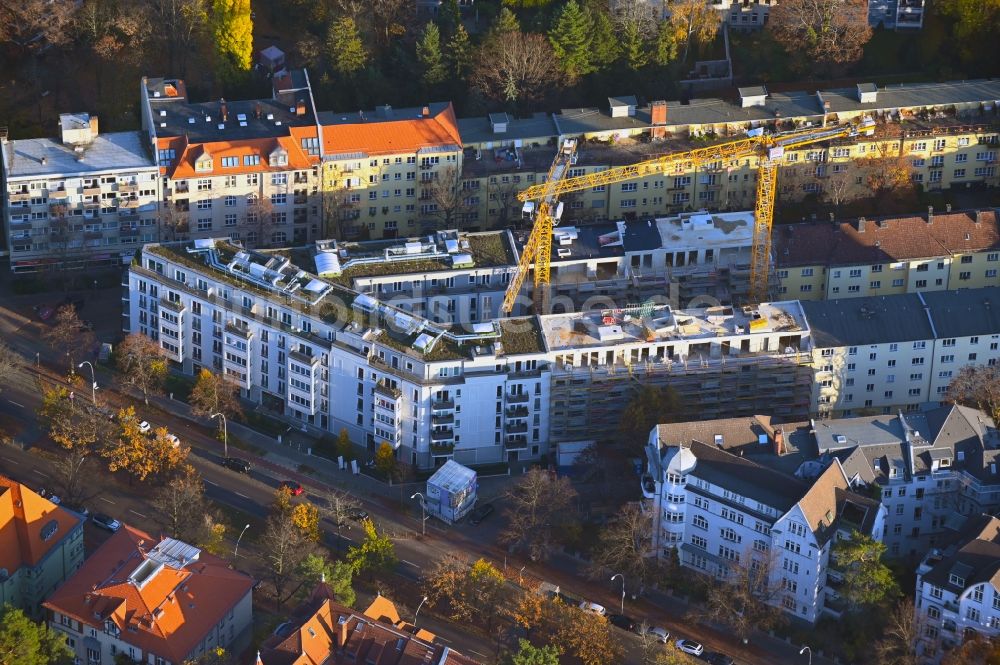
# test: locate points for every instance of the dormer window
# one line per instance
(946, 462)
(956, 580)
(278, 157)
(203, 164)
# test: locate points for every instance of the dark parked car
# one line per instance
(622, 621)
(106, 522)
(236, 464)
(292, 486)
(479, 513)
(716, 658)
(358, 514)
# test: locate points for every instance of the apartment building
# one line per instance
(891, 353)
(249, 169)
(478, 392)
(888, 255)
(391, 173)
(947, 132)
(41, 545)
(958, 589)
(82, 200)
(721, 510)
(330, 633)
(928, 466)
(152, 600)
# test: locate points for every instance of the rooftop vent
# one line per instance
(190, 121)
(840, 439)
(163, 113)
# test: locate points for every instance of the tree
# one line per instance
(232, 28)
(446, 587)
(433, 70)
(867, 580)
(974, 651)
(283, 549)
(344, 447)
(179, 24)
(665, 46)
(886, 168)
(337, 575)
(584, 635)
(536, 505)
(142, 364)
(650, 406)
(68, 334)
(604, 46)
(976, 22)
(79, 430)
(181, 505)
(389, 18)
(139, 455)
(531, 655)
(459, 53)
(624, 547)
(693, 20)
(570, 36)
(505, 24)
(451, 202)
(24, 642)
(24, 20)
(517, 68)
(385, 461)
(346, 50)
(743, 598)
(375, 554)
(306, 517)
(977, 386)
(450, 17)
(900, 636)
(635, 24)
(213, 535)
(213, 393)
(824, 34)
(113, 34)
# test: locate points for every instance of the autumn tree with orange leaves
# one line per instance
(822, 35)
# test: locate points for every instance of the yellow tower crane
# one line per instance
(768, 148)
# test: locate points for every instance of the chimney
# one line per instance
(779, 442)
(861, 224)
(300, 108)
(93, 127)
(658, 113)
(257, 111)
(342, 633)
(425, 112)
(979, 217)
(930, 214)
(947, 207)
(44, 160)
(223, 110)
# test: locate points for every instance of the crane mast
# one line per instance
(768, 148)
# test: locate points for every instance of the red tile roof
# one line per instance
(24, 517)
(188, 153)
(885, 239)
(169, 613)
(392, 136)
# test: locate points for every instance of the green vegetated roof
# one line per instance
(390, 268)
(521, 335)
(490, 249)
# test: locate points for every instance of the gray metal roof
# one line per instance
(966, 312)
(538, 128)
(871, 320)
(173, 117)
(115, 152)
(746, 478)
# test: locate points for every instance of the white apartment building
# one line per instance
(84, 200)
(958, 589)
(899, 352)
(719, 509)
(479, 392)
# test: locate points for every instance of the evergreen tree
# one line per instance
(449, 17)
(460, 53)
(529, 654)
(25, 642)
(346, 50)
(506, 23)
(633, 46)
(665, 48)
(233, 31)
(570, 37)
(432, 64)
(604, 47)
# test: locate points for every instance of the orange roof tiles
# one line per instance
(187, 154)
(24, 516)
(380, 137)
(170, 613)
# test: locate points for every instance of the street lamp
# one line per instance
(623, 588)
(225, 433)
(805, 649)
(418, 612)
(237, 548)
(93, 380)
(423, 513)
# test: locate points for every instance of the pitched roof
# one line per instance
(973, 555)
(745, 477)
(869, 320)
(188, 153)
(30, 525)
(332, 634)
(886, 239)
(164, 596)
(819, 504)
(965, 312)
(390, 131)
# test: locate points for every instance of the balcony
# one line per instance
(91, 205)
(172, 305)
(20, 196)
(58, 209)
(442, 404)
(515, 442)
(517, 412)
(92, 190)
(60, 194)
(440, 449)
(128, 187)
(445, 434)
(443, 419)
(305, 359)
(181, 187)
(519, 398)
(383, 388)
(239, 331)
(519, 428)
(127, 203)
(648, 486)
(128, 215)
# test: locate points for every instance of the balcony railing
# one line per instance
(519, 428)
(442, 435)
(443, 419)
(517, 412)
(519, 398)
(442, 404)
(442, 448)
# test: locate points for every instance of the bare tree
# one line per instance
(390, 18)
(839, 187)
(825, 34)
(69, 335)
(179, 23)
(340, 214)
(519, 69)
(142, 364)
(744, 597)
(181, 506)
(10, 361)
(449, 199)
(339, 507)
(900, 636)
(114, 32)
(977, 386)
(214, 393)
(283, 548)
(30, 24)
(174, 221)
(624, 547)
(537, 505)
(886, 168)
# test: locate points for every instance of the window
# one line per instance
(700, 522)
(807, 272)
(251, 160)
(230, 162)
(629, 186)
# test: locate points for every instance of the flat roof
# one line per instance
(539, 127)
(965, 312)
(118, 151)
(869, 320)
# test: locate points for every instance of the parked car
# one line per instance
(106, 522)
(622, 621)
(479, 513)
(587, 606)
(292, 486)
(44, 493)
(44, 312)
(358, 514)
(172, 438)
(660, 634)
(145, 427)
(236, 464)
(716, 658)
(690, 647)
